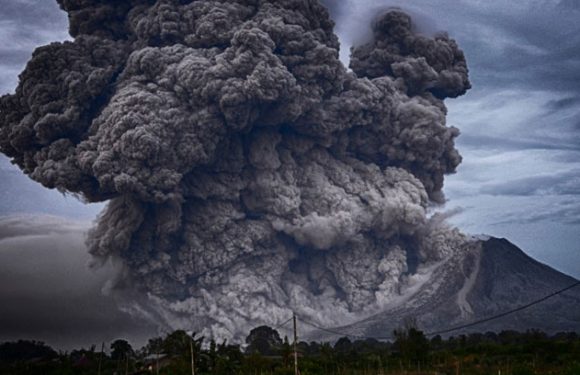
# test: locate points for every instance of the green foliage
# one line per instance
(121, 349)
(522, 370)
(23, 350)
(154, 346)
(264, 340)
(177, 344)
(411, 343)
(511, 353)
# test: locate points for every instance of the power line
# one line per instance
(501, 315)
(340, 333)
(283, 324)
(485, 320)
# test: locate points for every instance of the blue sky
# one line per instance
(520, 125)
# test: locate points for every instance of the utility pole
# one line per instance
(295, 346)
(192, 357)
(101, 357)
(157, 360)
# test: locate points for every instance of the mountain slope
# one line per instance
(493, 278)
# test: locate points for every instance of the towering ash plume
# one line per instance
(248, 172)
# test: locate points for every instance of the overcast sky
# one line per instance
(520, 125)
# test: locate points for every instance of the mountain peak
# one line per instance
(495, 278)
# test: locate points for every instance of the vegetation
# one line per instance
(506, 353)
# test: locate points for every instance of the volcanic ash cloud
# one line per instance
(248, 173)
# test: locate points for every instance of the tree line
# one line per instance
(266, 352)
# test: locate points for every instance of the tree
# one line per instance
(121, 349)
(176, 343)
(263, 340)
(343, 345)
(327, 357)
(154, 346)
(25, 350)
(229, 359)
(287, 352)
(411, 342)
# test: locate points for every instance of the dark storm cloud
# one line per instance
(526, 44)
(22, 226)
(524, 48)
(48, 291)
(248, 173)
(504, 52)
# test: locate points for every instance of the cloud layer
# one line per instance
(519, 123)
(48, 291)
(248, 173)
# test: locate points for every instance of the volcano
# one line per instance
(491, 279)
(248, 173)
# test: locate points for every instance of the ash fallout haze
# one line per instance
(244, 172)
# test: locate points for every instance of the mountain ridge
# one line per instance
(493, 278)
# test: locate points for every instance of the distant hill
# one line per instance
(494, 278)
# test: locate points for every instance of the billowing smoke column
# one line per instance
(248, 173)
